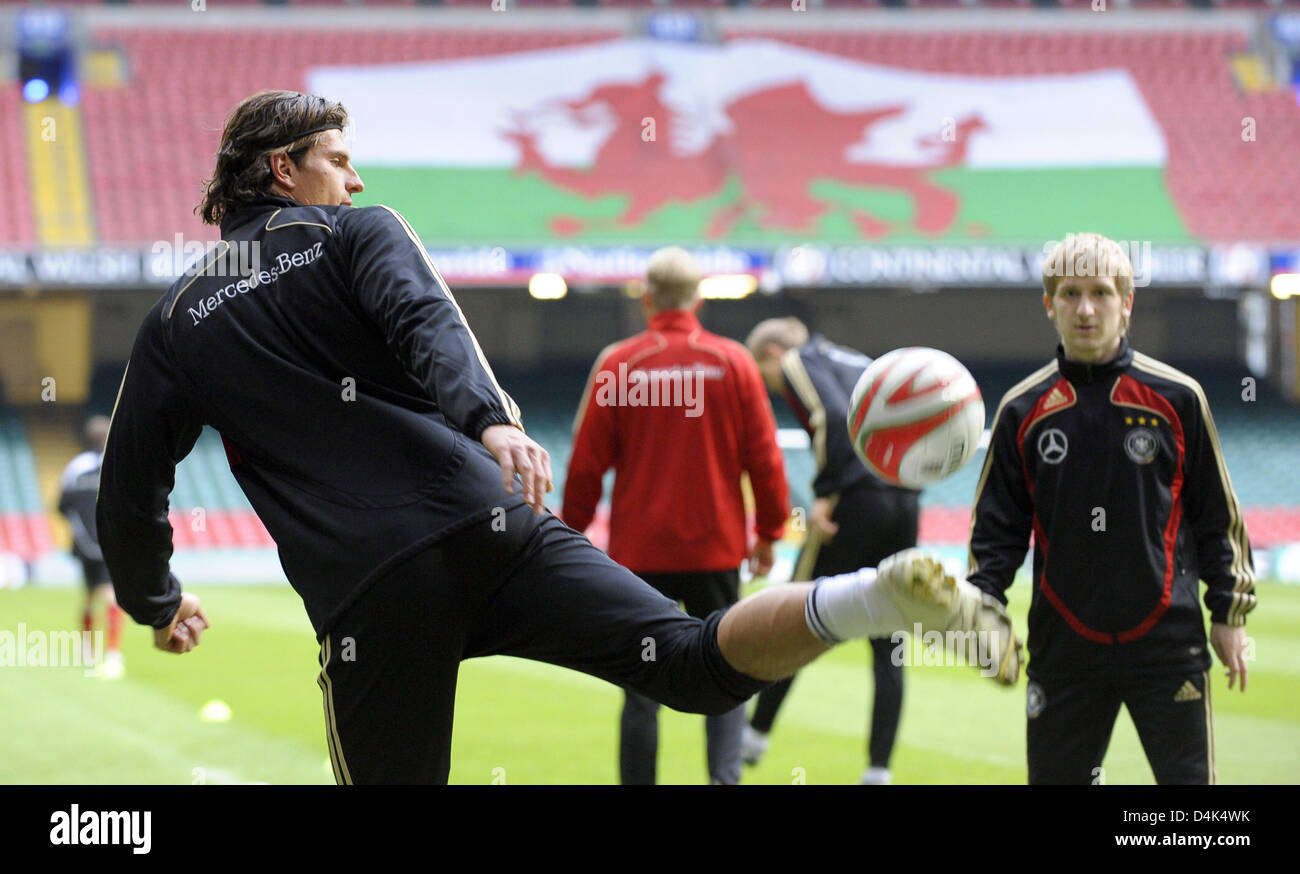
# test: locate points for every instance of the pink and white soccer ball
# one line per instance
(916, 416)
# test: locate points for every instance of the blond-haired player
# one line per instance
(1111, 460)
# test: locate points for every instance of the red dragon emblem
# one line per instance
(780, 141)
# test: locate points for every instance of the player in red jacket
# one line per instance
(679, 414)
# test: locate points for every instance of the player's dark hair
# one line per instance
(266, 123)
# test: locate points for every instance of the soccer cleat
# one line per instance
(876, 776)
(927, 595)
(753, 744)
(919, 587)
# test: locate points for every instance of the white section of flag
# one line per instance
(452, 113)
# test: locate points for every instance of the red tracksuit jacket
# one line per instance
(678, 413)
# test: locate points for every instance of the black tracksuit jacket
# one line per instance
(348, 390)
(1117, 472)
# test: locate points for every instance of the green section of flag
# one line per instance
(1023, 207)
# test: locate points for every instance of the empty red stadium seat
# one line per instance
(16, 221)
(14, 537)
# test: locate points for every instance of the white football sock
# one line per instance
(852, 605)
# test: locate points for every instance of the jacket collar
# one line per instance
(1078, 371)
(674, 320)
(248, 211)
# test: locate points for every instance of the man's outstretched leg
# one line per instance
(774, 633)
(568, 604)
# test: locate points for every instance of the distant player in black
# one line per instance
(79, 486)
(855, 520)
(363, 422)
(1112, 461)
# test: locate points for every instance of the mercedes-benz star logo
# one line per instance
(1052, 446)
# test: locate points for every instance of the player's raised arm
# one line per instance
(153, 428)
(398, 287)
(1002, 512)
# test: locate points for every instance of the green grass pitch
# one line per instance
(524, 723)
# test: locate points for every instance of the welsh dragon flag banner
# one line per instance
(754, 142)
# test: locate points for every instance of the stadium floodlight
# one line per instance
(547, 286)
(728, 286)
(1285, 285)
(35, 90)
(45, 52)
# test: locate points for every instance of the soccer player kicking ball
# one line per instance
(1112, 460)
(368, 431)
